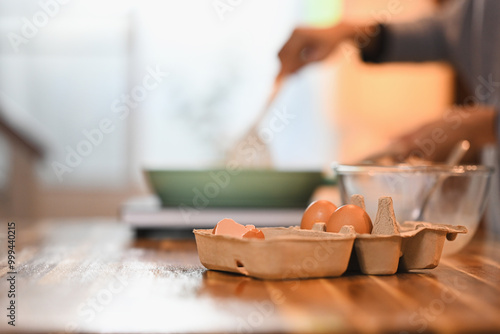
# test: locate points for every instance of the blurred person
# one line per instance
(464, 33)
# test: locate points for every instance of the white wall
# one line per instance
(70, 71)
(90, 53)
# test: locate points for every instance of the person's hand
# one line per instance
(307, 45)
(434, 141)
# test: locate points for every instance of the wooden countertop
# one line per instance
(94, 276)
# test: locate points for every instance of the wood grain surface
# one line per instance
(95, 276)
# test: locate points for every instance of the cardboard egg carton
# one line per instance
(291, 252)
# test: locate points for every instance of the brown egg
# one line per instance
(317, 212)
(349, 215)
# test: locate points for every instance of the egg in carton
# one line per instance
(292, 252)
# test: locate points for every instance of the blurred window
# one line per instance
(119, 85)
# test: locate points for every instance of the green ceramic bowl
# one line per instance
(243, 188)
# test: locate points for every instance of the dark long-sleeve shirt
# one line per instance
(465, 33)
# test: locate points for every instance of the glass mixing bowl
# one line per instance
(454, 195)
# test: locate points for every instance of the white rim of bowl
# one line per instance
(458, 169)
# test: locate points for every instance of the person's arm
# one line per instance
(417, 41)
(422, 40)
(435, 140)
(307, 45)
